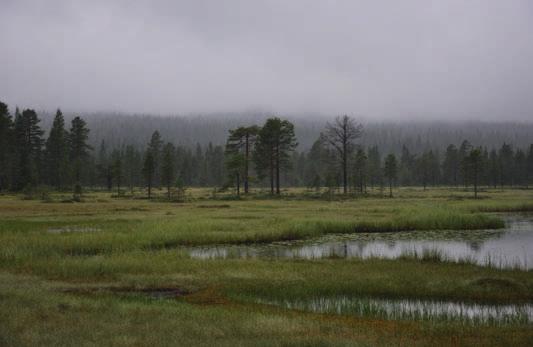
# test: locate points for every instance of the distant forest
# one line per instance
(118, 129)
(234, 151)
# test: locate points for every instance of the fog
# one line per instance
(374, 59)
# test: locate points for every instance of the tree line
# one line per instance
(118, 129)
(254, 155)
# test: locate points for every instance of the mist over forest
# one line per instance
(118, 129)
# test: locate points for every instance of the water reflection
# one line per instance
(509, 247)
(413, 309)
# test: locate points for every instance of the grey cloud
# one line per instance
(380, 59)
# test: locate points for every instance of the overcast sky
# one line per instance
(462, 59)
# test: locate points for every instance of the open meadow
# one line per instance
(120, 271)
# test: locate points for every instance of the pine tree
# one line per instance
(317, 165)
(506, 159)
(390, 171)
(520, 167)
(407, 167)
(360, 167)
(56, 152)
(494, 168)
(200, 169)
(29, 142)
(132, 167)
(104, 167)
(216, 166)
(463, 153)
(422, 169)
(235, 167)
(155, 146)
(485, 168)
(241, 143)
(79, 150)
(6, 141)
(474, 160)
(451, 165)
(168, 167)
(149, 170)
(275, 142)
(375, 173)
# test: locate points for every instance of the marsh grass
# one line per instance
(432, 311)
(129, 226)
(132, 244)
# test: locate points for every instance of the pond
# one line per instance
(413, 309)
(503, 248)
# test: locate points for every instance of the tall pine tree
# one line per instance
(275, 142)
(168, 167)
(56, 153)
(155, 146)
(28, 147)
(79, 150)
(6, 141)
(240, 143)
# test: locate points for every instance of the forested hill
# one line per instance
(117, 129)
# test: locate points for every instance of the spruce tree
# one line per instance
(168, 167)
(494, 168)
(451, 165)
(474, 160)
(56, 153)
(6, 141)
(149, 171)
(79, 151)
(506, 160)
(155, 146)
(390, 171)
(28, 147)
(360, 167)
(520, 167)
(374, 167)
(464, 149)
(132, 166)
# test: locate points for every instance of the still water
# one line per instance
(503, 248)
(414, 309)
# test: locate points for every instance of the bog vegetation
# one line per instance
(114, 270)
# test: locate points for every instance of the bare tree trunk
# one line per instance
(239, 185)
(340, 135)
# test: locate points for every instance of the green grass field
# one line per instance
(90, 273)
